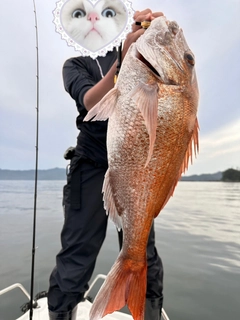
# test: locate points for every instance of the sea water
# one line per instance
(197, 237)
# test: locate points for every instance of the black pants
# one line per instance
(82, 236)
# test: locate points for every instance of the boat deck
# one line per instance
(40, 311)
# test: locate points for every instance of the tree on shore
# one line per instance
(231, 175)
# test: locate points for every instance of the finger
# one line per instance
(132, 37)
(140, 18)
(143, 12)
(157, 14)
(135, 35)
(148, 17)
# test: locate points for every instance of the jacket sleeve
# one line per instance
(77, 79)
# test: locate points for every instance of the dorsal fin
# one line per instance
(193, 147)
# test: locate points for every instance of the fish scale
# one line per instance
(152, 134)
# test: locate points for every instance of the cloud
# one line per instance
(212, 32)
(219, 150)
(224, 136)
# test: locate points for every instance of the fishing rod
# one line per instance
(32, 302)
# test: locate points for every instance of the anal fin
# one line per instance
(109, 202)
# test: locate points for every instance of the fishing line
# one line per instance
(119, 62)
(36, 173)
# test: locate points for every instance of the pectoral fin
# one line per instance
(146, 98)
(104, 108)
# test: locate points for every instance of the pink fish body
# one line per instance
(152, 134)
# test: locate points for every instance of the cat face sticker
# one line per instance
(93, 27)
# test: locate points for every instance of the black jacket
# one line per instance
(79, 75)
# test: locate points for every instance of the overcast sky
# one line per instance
(212, 30)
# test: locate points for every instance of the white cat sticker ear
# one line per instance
(93, 27)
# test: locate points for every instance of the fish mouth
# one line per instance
(141, 58)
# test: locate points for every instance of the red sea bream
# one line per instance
(152, 134)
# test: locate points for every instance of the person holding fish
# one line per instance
(87, 81)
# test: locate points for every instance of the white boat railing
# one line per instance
(164, 315)
(15, 286)
(99, 276)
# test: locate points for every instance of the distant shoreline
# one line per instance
(49, 174)
(230, 175)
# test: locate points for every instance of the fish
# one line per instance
(152, 136)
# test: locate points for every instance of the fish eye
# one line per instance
(108, 13)
(79, 13)
(189, 58)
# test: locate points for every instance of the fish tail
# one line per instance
(125, 284)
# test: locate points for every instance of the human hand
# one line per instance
(137, 30)
(157, 14)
